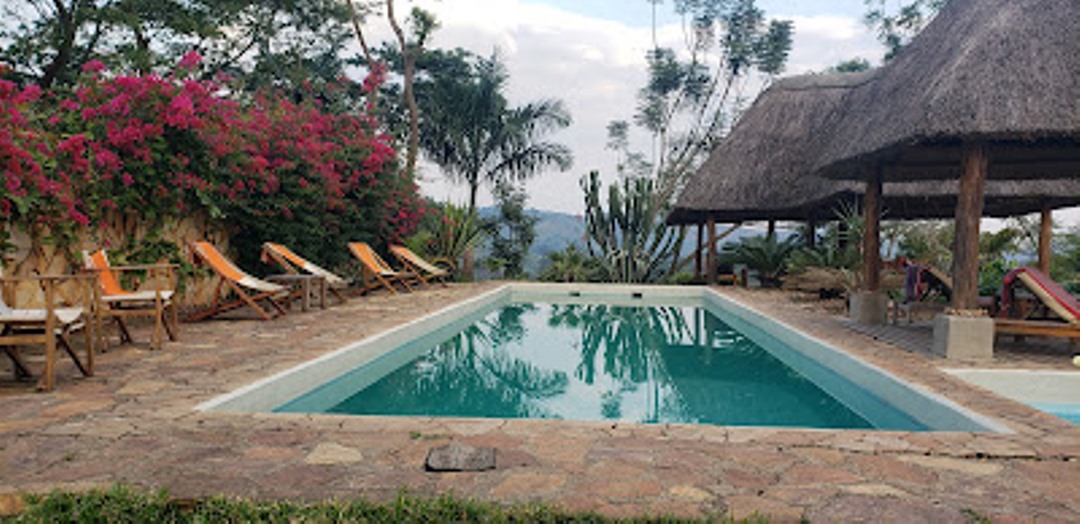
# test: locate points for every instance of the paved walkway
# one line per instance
(134, 423)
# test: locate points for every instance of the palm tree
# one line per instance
(476, 137)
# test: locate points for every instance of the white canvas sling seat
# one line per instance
(294, 263)
(49, 326)
(117, 303)
(249, 290)
(419, 266)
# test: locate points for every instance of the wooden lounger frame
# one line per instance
(232, 278)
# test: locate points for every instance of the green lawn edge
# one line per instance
(126, 504)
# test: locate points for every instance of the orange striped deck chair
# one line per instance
(377, 268)
(248, 289)
(424, 270)
(117, 303)
(294, 264)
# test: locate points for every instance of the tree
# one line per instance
(511, 232)
(570, 265)
(689, 103)
(895, 28)
(690, 100)
(765, 254)
(473, 134)
(627, 234)
(280, 44)
(854, 65)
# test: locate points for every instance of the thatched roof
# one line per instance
(759, 171)
(1003, 71)
(932, 199)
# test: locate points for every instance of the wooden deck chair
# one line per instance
(1051, 294)
(51, 326)
(377, 268)
(927, 289)
(117, 303)
(240, 283)
(294, 264)
(424, 270)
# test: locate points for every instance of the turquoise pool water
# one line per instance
(1070, 412)
(674, 363)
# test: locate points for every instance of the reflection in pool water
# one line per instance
(599, 362)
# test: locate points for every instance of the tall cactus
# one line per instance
(629, 235)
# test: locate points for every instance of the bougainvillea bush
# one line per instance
(155, 148)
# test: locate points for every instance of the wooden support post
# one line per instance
(1046, 229)
(969, 209)
(697, 253)
(872, 236)
(710, 259)
(772, 228)
(48, 378)
(811, 233)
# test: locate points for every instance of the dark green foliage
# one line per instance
(512, 232)
(854, 65)
(765, 254)
(896, 26)
(282, 44)
(627, 234)
(571, 265)
(446, 232)
(120, 505)
(471, 131)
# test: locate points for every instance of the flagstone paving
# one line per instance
(134, 422)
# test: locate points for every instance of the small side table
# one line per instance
(303, 286)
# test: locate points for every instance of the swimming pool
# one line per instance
(1055, 392)
(598, 352)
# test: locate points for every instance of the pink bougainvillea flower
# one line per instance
(93, 66)
(190, 60)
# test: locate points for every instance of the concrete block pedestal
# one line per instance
(964, 338)
(869, 308)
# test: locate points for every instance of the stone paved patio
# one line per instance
(134, 423)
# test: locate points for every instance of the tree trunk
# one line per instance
(408, 57)
(354, 17)
(969, 208)
(66, 20)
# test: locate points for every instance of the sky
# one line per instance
(590, 54)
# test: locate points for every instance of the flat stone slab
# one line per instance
(459, 457)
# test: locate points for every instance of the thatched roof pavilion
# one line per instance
(989, 90)
(761, 170)
(1002, 71)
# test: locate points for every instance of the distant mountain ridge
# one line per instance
(555, 231)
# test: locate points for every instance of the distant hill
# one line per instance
(555, 231)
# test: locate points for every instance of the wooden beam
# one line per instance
(702, 247)
(697, 252)
(710, 260)
(872, 234)
(969, 208)
(1046, 230)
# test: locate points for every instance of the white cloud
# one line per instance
(596, 66)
